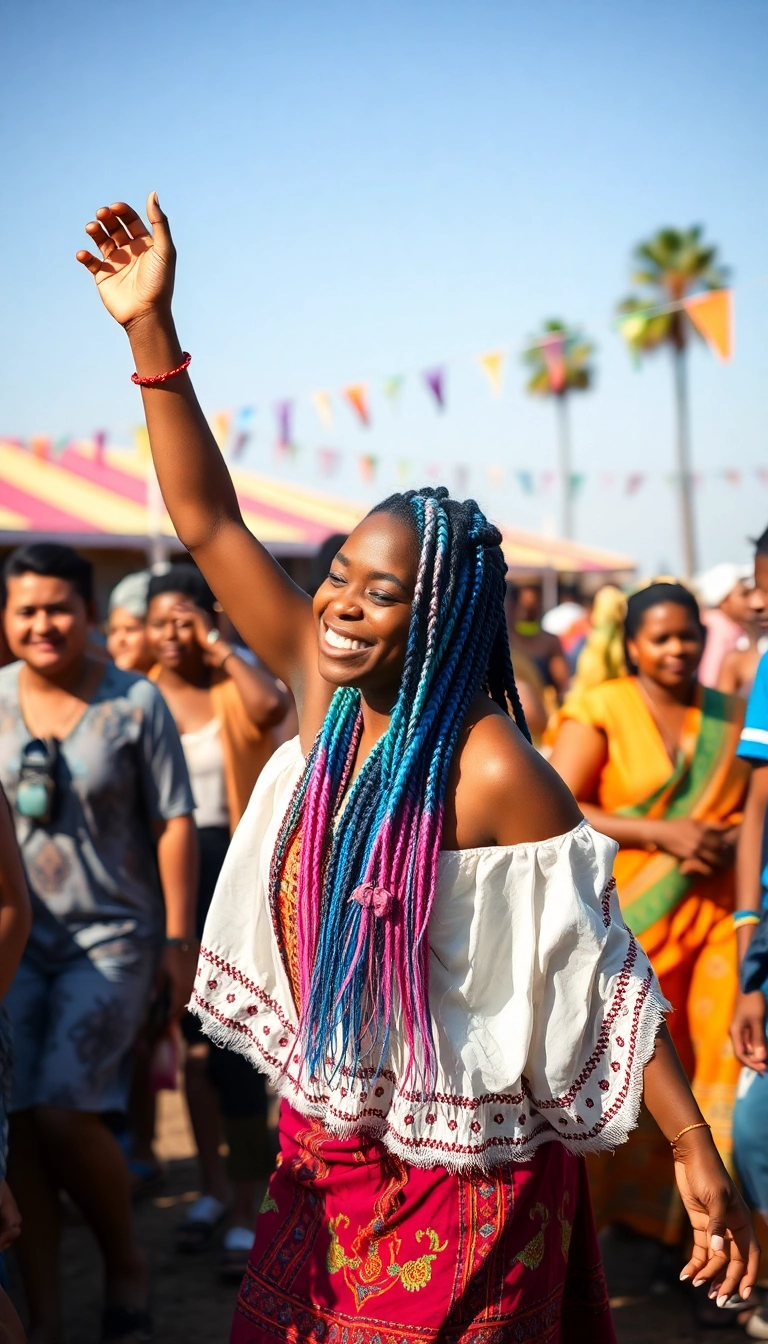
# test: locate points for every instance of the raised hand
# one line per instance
(136, 269)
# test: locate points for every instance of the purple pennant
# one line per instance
(435, 381)
(100, 443)
(284, 414)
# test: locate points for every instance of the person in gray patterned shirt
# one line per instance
(92, 763)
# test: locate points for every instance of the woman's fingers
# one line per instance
(132, 222)
(109, 221)
(98, 235)
(93, 264)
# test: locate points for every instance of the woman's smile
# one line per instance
(339, 642)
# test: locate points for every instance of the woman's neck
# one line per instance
(70, 679)
(200, 678)
(665, 695)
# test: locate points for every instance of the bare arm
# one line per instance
(177, 862)
(265, 703)
(748, 1026)
(579, 756)
(725, 1251)
(15, 907)
(135, 277)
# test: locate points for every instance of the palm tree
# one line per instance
(560, 360)
(671, 265)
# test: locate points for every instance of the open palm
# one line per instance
(135, 272)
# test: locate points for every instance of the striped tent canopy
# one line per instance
(96, 498)
(102, 499)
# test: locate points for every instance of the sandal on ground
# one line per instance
(202, 1222)
(757, 1325)
(126, 1323)
(236, 1247)
(712, 1317)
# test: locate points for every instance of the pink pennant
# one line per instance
(634, 482)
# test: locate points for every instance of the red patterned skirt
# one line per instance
(353, 1246)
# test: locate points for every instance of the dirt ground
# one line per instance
(191, 1306)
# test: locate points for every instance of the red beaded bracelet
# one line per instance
(162, 377)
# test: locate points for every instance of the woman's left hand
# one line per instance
(215, 650)
(725, 1251)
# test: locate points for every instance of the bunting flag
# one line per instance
(576, 481)
(712, 316)
(61, 445)
(284, 417)
(367, 465)
(356, 394)
(435, 382)
(762, 475)
(99, 444)
(403, 471)
(40, 445)
(525, 481)
(608, 480)
(322, 404)
(634, 482)
(496, 475)
(553, 354)
(548, 479)
(393, 386)
(220, 422)
(141, 440)
(732, 475)
(492, 365)
(243, 430)
(329, 460)
(434, 472)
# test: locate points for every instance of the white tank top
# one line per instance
(204, 755)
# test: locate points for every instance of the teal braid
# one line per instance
(368, 871)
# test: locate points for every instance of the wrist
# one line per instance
(693, 1142)
(154, 343)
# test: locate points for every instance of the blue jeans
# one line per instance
(750, 1138)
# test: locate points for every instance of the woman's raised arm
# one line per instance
(135, 276)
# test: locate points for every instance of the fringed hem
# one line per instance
(458, 1132)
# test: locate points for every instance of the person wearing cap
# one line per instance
(127, 624)
(723, 594)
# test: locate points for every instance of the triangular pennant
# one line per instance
(220, 423)
(608, 480)
(243, 430)
(328, 460)
(634, 482)
(60, 446)
(762, 474)
(496, 475)
(462, 480)
(553, 354)
(403, 471)
(492, 365)
(284, 417)
(322, 404)
(40, 445)
(99, 444)
(712, 316)
(141, 441)
(393, 386)
(434, 471)
(435, 381)
(356, 394)
(576, 482)
(525, 481)
(548, 479)
(367, 466)
(732, 475)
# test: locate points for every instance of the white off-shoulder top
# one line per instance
(544, 1007)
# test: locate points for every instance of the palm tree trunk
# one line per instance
(685, 478)
(564, 456)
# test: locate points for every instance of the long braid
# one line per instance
(361, 961)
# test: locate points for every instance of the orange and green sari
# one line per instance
(683, 922)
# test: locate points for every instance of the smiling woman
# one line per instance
(415, 935)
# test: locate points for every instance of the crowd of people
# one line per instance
(427, 863)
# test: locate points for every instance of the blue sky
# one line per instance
(361, 190)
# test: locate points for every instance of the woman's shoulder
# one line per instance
(506, 793)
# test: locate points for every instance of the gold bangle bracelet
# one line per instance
(700, 1124)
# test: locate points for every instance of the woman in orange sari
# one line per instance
(651, 759)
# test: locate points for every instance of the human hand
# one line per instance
(748, 1031)
(178, 966)
(725, 1251)
(703, 847)
(135, 272)
(10, 1218)
(215, 649)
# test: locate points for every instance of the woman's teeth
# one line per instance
(341, 641)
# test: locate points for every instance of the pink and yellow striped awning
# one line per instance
(102, 499)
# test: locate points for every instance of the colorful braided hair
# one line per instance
(367, 873)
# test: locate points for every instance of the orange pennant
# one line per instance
(357, 396)
(712, 316)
